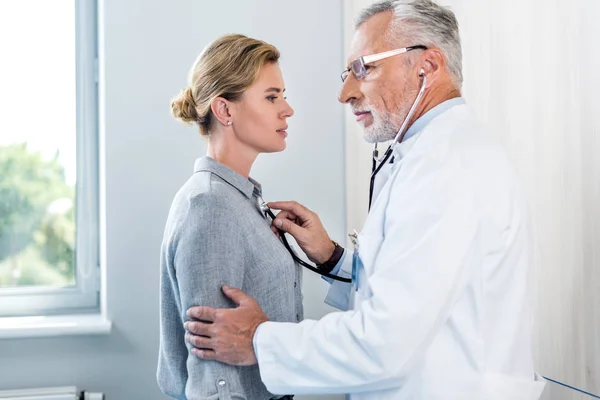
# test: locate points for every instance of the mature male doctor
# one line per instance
(438, 307)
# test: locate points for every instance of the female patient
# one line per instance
(215, 233)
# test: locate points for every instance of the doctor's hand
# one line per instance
(225, 335)
(306, 227)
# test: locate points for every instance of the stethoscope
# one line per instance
(268, 212)
(398, 139)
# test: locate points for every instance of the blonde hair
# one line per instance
(226, 68)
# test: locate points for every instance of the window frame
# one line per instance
(84, 297)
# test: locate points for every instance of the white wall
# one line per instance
(148, 47)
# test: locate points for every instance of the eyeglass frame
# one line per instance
(357, 67)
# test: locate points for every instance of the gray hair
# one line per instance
(423, 22)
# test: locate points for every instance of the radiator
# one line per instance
(59, 393)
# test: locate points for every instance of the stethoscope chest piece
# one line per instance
(264, 209)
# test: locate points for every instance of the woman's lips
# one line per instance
(283, 132)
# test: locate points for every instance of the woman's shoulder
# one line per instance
(201, 191)
(207, 194)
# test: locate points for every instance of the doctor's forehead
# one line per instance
(370, 37)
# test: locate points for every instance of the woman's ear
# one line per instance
(220, 109)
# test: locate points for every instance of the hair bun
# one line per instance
(183, 107)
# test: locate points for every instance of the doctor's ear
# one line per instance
(221, 109)
(432, 63)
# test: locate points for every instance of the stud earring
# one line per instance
(228, 123)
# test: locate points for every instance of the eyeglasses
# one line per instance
(359, 66)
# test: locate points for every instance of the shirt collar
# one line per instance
(426, 118)
(402, 148)
(248, 187)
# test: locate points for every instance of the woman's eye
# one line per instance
(271, 98)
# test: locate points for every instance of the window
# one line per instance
(49, 213)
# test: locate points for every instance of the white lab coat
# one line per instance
(442, 305)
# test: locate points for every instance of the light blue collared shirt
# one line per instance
(426, 118)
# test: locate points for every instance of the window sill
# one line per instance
(67, 325)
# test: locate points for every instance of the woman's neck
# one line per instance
(233, 154)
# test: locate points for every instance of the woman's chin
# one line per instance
(282, 146)
(275, 147)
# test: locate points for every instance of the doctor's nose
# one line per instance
(350, 90)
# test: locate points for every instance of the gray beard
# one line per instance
(383, 128)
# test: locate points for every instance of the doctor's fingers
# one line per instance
(199, 328)
(205, 354)
(275, 231)
(288, 215)
(301, 212)
(200, 342)
(291, 227)
(207, 314)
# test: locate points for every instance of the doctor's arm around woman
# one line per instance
(215, 233)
